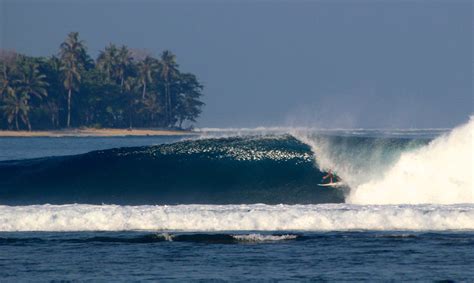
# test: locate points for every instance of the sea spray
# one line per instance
(356, 160)
(413, 172)
(440, 172)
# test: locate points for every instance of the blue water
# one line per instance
(23, 148)
(330, 256)
(189, 243)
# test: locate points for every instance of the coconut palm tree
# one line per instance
(131, 87)
(72, 78)
(124, 60)
(150, 106)
(168, 72)
(8, 68)
(31, 83)
(145, 70)
(71, 52)
(4, 78)
(108, 60)
(14, 107)
(52, 105)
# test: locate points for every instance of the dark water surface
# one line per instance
(332, 256)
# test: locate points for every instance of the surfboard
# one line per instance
(333, 185)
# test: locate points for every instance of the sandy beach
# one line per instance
(90, 132)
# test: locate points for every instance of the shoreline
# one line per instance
(91, 132)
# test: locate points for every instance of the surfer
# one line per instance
(334, 180)
(331, 177)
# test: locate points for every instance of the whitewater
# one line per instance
(258, 217)
(440, 172)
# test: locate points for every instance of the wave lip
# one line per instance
(256, 217)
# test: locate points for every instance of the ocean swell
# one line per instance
(260, 169)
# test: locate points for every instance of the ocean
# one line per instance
(239, 205)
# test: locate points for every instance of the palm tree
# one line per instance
(53, 103)
(131, 86)
(31, 83)
(145, 70)
(124, 60)
(53, 109)
(4, 78)
(15, 107)
(108, 60)
(71, 52)
(168, 72)
(8, 66)
(151, 106)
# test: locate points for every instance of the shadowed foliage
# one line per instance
(123, 88)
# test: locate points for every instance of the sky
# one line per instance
(323, 64)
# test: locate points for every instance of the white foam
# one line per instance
(263, 237)
(441, 172)
(257, 217)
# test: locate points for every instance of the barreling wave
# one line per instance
(271, 168)
(253, 217)
(260, 169)
(417, 171)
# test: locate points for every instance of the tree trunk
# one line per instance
(28, 123)
(69, 108)
(16, 121)
(171, 109)
(169, 106)
(144, 90)
(27, 118)
(166, 105)
(130, 115)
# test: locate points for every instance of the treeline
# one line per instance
(122, 88)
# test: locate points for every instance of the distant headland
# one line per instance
(122, 88)
(92, 132)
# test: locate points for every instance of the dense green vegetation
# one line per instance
(123, 88)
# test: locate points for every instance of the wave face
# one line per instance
(255, 217)
(259, 169)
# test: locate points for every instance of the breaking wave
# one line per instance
(380, 171)
(271, 168)
(256, 217)
(266, 182)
